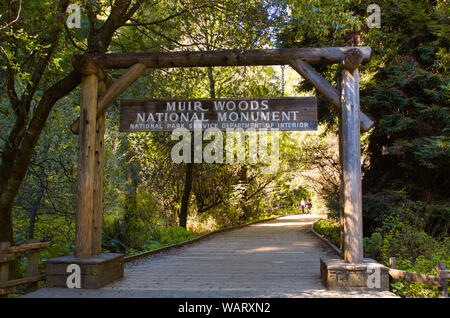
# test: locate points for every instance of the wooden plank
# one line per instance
(21, 281)
(414, 277)
(325, 88)
(439, 280)
(86, 166)
(283, 113)
(352, 193)
(28, 246)
(329, 55)
(114, 90)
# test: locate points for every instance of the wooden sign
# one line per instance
(281, 113)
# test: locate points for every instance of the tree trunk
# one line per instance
(243, 180)
(212, 83)
(182, 217)
(130, 203)
(34, 212)
(21, 142)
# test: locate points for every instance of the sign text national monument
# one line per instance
(281, 113)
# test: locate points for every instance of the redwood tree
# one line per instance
(31, 98)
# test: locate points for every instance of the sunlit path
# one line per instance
(278, 258)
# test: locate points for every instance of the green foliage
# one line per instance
(402, 236)
(122, 237)
(404, 88)
(408, 97)
(329, 228)
(172, 235)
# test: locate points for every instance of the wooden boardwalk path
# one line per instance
(278, 258)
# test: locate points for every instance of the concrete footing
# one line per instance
(95, 272)
(336, 274)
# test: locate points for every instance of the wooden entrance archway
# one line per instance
(98, 91)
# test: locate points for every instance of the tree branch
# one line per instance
(16, 19)
(72, 40)
(137, 23)
(45, 56)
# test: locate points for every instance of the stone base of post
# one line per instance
(95, 272)
(336, 274)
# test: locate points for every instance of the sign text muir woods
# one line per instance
(282, 113)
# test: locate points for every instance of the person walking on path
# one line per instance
(303, 205)
(308, 205)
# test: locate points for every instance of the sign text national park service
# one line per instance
(280, 113)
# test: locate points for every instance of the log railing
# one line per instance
(32, 271)
(439, 280)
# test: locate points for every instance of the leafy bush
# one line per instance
(172, 235)
(120, 235)
(403, 236)
(136, 237)
(329, 228)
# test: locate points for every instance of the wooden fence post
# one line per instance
(392, 262)
(4, 267)
(33, 264)
(86, 166)
(4, 263)
(352, 196)
(440, 269)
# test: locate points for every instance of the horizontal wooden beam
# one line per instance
(324, 87)
(28, 246)
(21, 281)
(414, 277)
(330, 55)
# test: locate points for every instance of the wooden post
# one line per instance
(4, 263)
(341, 177)
(4, 268)
(86, 166)
(392, 262)
(352, 196)
(442, 277)
(32, 264)
(98, 183)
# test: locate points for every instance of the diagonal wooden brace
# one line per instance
(330, 92)
(114, 91)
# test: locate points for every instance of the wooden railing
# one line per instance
(439, 280)
(32, 271)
